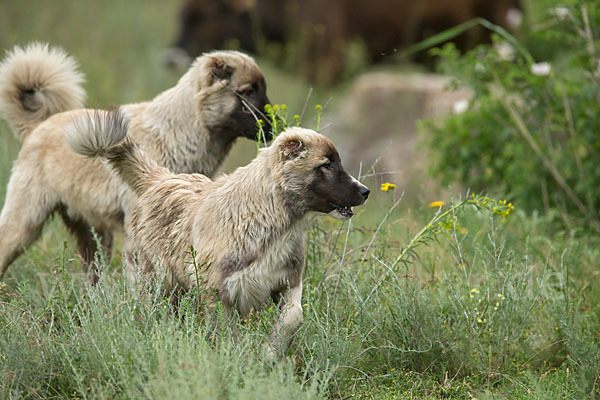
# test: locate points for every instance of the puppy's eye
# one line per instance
(327, 166)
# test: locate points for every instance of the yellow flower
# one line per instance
(387, 186)
(436, 204)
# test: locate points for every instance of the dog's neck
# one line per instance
(186, 145)
(261, 211)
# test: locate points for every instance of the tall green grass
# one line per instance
(480, 310)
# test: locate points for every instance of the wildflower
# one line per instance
(387, 186)
(514, 18)
(460, 106)
(505, 51)
(436, 204)
(474, 290)
(479, 320)
(561, 12)
(318, 107)
(540, 69)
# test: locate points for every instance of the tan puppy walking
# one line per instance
(248, 228)
(188, 128)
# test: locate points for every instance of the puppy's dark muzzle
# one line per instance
(363, 191)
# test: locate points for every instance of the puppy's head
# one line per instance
(312, 175)
(232, 93)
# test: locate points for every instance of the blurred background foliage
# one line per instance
(532, 128)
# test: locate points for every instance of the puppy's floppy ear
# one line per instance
(292, 148)
(219, 70)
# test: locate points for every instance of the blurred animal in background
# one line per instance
(208, 25)
(321, 30)
(188, 128)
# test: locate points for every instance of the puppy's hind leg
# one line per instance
(87, 246)
(26, 208)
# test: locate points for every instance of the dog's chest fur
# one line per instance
(279, 267)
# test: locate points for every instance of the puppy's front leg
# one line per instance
(288, 322)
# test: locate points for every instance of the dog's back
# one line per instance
(165, 198)
(104, 134)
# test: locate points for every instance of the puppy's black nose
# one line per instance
(365, 192)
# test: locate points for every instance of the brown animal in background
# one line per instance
(205, 25)
(322, 29)
(188, 128)
(248, 228)
(385, 27)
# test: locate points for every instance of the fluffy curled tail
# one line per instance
(104, 134)
(36, 82)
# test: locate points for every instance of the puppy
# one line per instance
(188, 128)
(248, 228)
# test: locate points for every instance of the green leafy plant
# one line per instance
(277, 115)
(531, 128)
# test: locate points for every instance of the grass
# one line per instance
(484, 313)
(482, 309)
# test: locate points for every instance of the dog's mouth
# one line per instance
(341, 212)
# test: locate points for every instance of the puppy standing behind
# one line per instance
(188, 128)
(248, 228)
